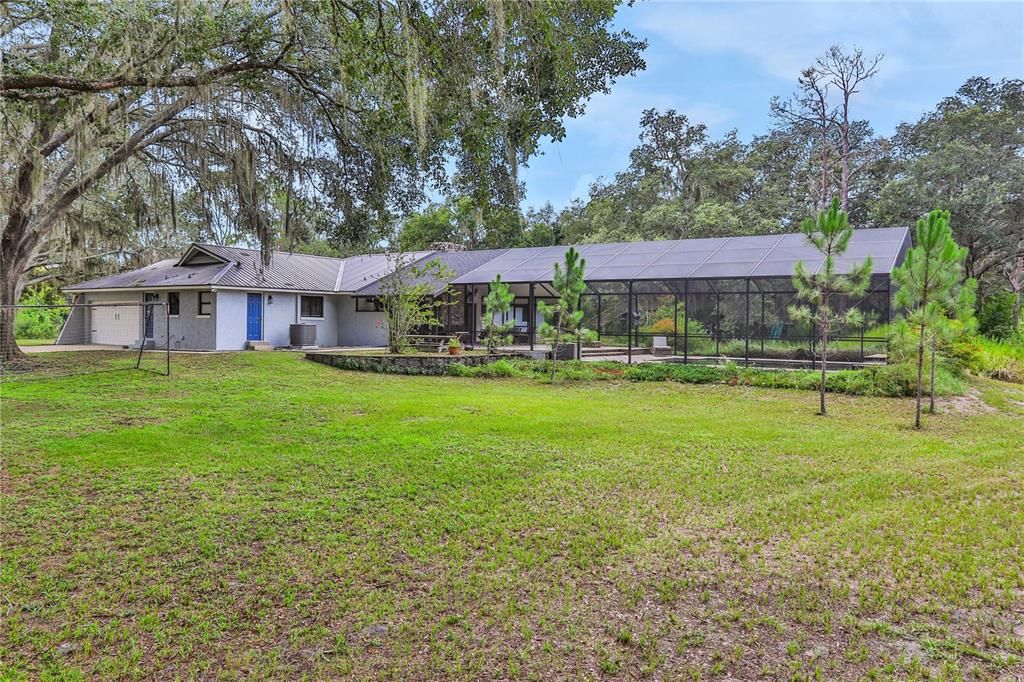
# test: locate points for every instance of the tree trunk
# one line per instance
(554, 350)
(920, 376)
(1016, 310)
(931, 402)
(13, 263)
(844, 180)
(824, 361)
(8, 297)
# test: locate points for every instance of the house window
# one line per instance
(205, 303)
(312, 306)
(368, 304)
(173, 303)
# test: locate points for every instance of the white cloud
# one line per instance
(581, 190)
(781, 39)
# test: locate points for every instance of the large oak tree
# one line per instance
(252, 115)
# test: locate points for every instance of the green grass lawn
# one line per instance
(35, 342)
(259, 515)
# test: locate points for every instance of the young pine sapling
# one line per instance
(929, 287)
(497, 302)
(562, 319)
(830, 234)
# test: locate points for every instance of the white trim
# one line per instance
(199, 247)
(163, 287)
(310, 318)
(306, 292)
(210, 287)
(341, 274)
(203, 317)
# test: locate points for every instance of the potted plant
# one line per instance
(454, 346)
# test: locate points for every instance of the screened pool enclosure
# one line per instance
(694, 300)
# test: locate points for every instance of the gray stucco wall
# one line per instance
(358, 328)
(76, 328)
(225, 328)
(188, 330)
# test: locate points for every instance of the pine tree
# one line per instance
(928, 280)
(497, 301)
(830, 234)
(565, 316)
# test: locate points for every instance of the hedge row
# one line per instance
(889, 380)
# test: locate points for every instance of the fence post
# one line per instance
(675, 321)
(746, 330)
(629, 324)
(686, 321)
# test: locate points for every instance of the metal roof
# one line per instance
(458, 262)
(727, 257)
(242, 268)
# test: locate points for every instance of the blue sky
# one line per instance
(720, 63)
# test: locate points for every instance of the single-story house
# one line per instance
(725, 289)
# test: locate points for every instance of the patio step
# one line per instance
(258, 345)
(610, 350)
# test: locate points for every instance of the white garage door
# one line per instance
(116, 326)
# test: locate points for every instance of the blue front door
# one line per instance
(254, 318)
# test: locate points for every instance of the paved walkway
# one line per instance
(69, 347)
(78, 347)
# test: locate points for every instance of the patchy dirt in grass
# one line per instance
(970, 403)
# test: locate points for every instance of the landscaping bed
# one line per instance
(406, 363)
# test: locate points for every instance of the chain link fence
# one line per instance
(65, 339)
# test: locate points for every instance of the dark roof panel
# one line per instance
(459, 262)
(727, 257)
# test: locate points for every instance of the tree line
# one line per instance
(965, 156)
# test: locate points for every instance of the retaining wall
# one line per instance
(402, 364)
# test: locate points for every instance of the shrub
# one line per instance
(40, 323)
(996, 317)
(663, 326)
(997, 359)
(689, 374)
(899, 380)
(499, 369)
